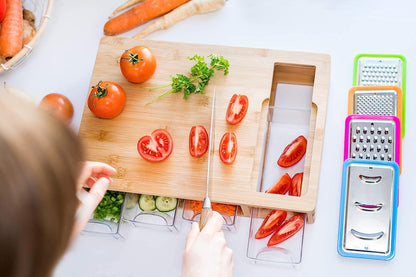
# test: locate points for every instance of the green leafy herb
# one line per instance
(200, 74)
(110, 207)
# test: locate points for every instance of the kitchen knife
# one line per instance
(206, 211)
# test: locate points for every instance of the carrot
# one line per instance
(139, 14)
(11, 33)
(124, 6)
(228, 209)
(191, 8)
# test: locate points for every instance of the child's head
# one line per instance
(40, 160)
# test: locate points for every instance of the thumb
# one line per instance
(192, 235)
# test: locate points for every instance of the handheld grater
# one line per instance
(373, 137)
(381, 70)
(376, 100)
(368, 209)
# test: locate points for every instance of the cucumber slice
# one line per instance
(166, 204)
(147, 202)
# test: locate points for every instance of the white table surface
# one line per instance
(63, 60)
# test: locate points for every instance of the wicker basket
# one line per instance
(41, 9)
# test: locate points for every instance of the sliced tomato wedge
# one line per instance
(287, 230)
(296, 186)
(228, 148)
(198, 141)
(237, 109)
(270, 224)
(293, 153)
(282, 185)
(156, 147)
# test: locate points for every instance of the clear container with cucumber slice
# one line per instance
(150, 211)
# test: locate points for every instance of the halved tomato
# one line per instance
(198, 141)
(270, 224)
(237, 108)
(293, 153)
(296, 186)
(287, 230)
(156, 147)
(228, 148)
(282, 185)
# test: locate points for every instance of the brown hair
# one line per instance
(40, 161)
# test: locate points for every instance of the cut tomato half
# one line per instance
(287, 230)
(282, 185)
(293, 153)
(156, 147)
(228, 148)
(296, 186)
(270, 224)
(198, 141)
(237, 108)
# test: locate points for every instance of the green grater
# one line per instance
(382, 70)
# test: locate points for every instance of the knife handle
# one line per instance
(206, 214)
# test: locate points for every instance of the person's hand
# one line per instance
(96, 176)
(206, 253)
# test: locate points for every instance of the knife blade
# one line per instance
(206, 211)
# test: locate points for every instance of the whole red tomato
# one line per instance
(107, 99)
(138, 64)
(58, 105)
(2, 9)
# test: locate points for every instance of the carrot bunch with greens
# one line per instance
(199, 77)
(11, 32)
(140, 14)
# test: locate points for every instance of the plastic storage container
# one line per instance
(111, 225)
(132, 214)
(230, 218)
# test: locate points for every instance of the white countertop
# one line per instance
(63, 60)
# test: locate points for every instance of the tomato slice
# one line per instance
(237, 108)
(156, 147)
(270, 224)
(228, 148)
(293, 153)
(198, 141)
(282, 185)
(296, 186)
(287, 230)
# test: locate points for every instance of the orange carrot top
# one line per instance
(11, 33)
(139, 14)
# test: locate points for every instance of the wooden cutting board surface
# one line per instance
(114, 141)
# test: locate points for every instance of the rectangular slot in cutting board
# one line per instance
(252, 73)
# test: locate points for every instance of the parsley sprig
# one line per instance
(200, 74)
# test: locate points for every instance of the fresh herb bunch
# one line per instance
(110, 207)
(199, 77)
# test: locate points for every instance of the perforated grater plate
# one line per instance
(368, 209)
(382, 70)
(372, 138)
(376, 100)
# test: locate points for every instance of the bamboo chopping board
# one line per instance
(114, 141)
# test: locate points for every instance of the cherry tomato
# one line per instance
(138, 64)
(287, 230)
(237, 109)
(107, 99)
(2, 9)
(293, 153)
(58, 105)
(156, 147)
(282, 185)
(296, 186)
(270, 224)
(198, 141)
(228, 148)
